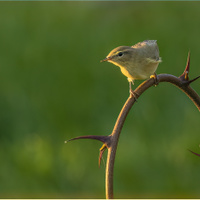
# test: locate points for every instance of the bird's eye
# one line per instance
(120, 54)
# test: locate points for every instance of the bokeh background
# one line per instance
(53, 87)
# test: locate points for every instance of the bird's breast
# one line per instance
(140, 72)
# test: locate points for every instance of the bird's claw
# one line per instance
(134, 94)
(155, 77)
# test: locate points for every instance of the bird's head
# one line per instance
(119, 56)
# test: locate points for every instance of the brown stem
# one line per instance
(113, 147)
(181, 83)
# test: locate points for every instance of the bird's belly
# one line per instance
(142, 72)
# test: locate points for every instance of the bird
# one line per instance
(137, 62)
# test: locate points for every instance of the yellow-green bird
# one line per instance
(136, 62)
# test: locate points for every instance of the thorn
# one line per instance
(187, 68)
(190, 81)
(185, 76)
(103, 139)
(194, 153)
(102, 149)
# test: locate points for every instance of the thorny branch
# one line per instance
(110, 142)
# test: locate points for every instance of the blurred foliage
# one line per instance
(53, 88)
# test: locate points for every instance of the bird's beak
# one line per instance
(106, 59)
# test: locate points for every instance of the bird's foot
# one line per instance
(155, 77)
(134, 94)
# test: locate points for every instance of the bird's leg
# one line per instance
(155, 77)
(132, 93)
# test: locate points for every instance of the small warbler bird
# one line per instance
(136, 62)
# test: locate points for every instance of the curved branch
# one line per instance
(111, 141)
(180, 82)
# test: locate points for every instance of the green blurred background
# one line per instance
(53, 87)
